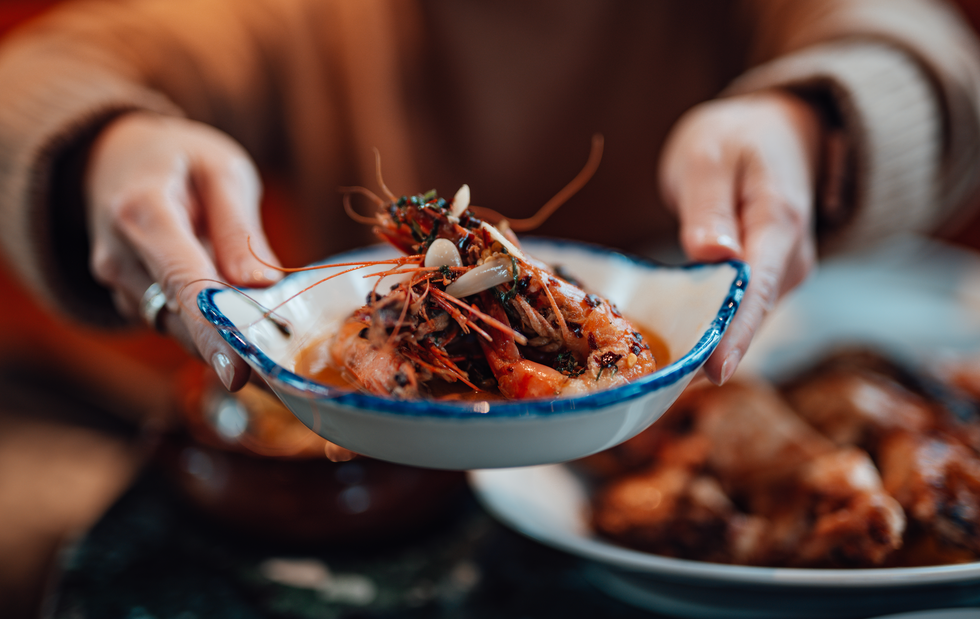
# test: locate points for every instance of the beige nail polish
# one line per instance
(223, 368)
(261, 276)
(726, 241)
(729, 366)
(273, 275)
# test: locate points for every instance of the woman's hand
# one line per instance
(740, 173)
(175, 202)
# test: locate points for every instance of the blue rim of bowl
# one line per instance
(665, 376)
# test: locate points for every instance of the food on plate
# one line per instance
(856, 463)
(925, 443)
(474, 314)
(676, 510)
(936, 479)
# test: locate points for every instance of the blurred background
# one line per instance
(68, 449)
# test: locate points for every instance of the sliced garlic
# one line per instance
(442, 253)
(493, 272)
(461, 201)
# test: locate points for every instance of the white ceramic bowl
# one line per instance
(689, 307)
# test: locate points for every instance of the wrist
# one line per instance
(66, 212)
(832, 182)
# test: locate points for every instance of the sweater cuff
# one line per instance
(49, 131)
(881, 166)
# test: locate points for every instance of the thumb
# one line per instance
(232, 190)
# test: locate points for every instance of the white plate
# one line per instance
(689, 307)
(550, 504)
(912, 298)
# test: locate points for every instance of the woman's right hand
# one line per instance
(175, 202)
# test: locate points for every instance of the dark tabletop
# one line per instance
(153, 556)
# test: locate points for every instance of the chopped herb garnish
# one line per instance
(515, 272)
(417, 233)
(566, 364)
(607, 361)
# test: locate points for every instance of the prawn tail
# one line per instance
(516, 376)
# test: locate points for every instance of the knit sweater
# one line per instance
(503, 96)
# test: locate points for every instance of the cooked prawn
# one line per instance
(477, 310)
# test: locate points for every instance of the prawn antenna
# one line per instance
(381, 181)
(349, 209)
(267, 314)
(569, 190)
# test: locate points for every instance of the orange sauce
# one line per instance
(658, 347)
(314, 362)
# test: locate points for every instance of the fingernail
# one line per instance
(273, 275)
(726, 241)
(729, 366)
(223, 368)
(267, 275)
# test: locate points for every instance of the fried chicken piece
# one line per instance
(738, 477)
(962, 373)
(674, 511)
(839, 515)
(937, 481)
(756, 440)
(856, 398)
(855, 407)
(827, 505)
(923, 548)
(927, 455)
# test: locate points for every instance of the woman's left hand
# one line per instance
(741, 175)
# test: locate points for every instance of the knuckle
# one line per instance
(106, 267)
(181, 284)
(767, 284)
(790, 208)
(230, 169)
(234, 178)
(705, 156)
(794, 215)
(175, 284)
(783, 212)
(135, 210)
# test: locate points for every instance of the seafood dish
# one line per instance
(473, 310)
(454, 345)
(692, 306)
(855, 463)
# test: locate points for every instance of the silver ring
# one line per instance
(151, 305)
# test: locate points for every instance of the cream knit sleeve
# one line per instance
(903, 79)
(74, 70)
